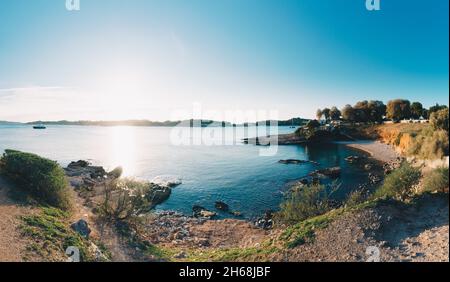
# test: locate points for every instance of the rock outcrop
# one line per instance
(82, 228)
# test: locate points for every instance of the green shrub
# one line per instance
(439, 120)
(436, 180)
(400, 183)
(42, 179)
(304, 202)
(430, 144)
(126, 198)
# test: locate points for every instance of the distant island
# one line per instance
(148, 123)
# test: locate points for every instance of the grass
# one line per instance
(436, 180)
(400, 183)
(233, 254)
(305, 202)
(51, 234)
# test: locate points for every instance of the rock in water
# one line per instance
(294, 161)
(199, 211)
(158, 194)
(332, 172)
(82, 228)
(222, 206)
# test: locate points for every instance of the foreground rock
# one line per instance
(158, 194)
(82, 228)
(265, 222)
(82, 175)
(83, 168)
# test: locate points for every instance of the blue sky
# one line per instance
(147, 59)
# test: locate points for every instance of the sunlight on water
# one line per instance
(122, 148)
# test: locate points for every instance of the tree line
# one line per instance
(376, 111)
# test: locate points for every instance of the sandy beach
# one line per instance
(376, 149)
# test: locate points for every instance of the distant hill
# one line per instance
(187, 123)
(4, 122)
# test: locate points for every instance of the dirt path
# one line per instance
(12, 244)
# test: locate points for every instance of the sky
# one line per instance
(153, 59)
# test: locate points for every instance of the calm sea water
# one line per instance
(236, 174)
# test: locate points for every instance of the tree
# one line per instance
(439, 120)
(326, 113)
(362, 111)
(335, 114)
(398, 109)
(376, 110)
(313, 124)
(416, 110)
(435, 108)
(319, 114)
(348, 113)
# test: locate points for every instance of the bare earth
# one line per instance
(12, 244)
(400, 233)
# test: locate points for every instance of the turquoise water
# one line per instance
(236, 174)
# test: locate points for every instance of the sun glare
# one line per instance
(122, 149)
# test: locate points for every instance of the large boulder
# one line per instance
(83, 168)
(78, 164)
(82, 228)
(158, 194)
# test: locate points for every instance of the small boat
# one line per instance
(39, 126)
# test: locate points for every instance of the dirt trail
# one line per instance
(12, 244)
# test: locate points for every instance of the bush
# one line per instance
(304, 202)
(439, 120)
(42, 179)
(125, 198)
(436, 180)
(356, 197)
(430, 144)
(400, 183)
